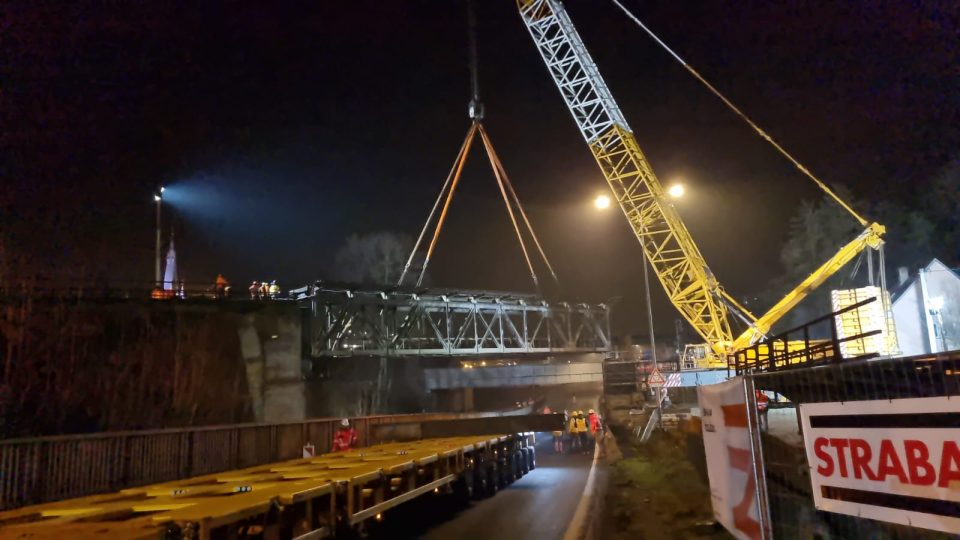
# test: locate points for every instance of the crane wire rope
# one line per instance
(744, 117)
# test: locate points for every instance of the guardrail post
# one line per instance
(122, 480)
(835, 340)
(187, 445)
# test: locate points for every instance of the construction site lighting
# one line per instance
(162, 189)
(602, 202)
(676, 191)
(156, 198)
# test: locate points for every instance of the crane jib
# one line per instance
(667, 244)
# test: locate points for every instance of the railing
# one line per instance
(785, 351)
(128, 290)
(43, 469)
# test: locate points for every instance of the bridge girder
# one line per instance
(342, 322)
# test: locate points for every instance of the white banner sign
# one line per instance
(892, 460)
(733, 489)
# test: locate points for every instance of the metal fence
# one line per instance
(43, 469)
(800, 346)
(784, 466)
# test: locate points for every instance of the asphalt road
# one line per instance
(539, 506)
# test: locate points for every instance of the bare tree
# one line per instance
(373, 258)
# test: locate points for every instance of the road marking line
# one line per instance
(575, 528)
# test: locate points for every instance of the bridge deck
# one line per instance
(286, 499)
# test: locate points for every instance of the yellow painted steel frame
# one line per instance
(677, 261)
(667, 244)
(871, 237)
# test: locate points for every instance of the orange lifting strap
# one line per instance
(509, 199)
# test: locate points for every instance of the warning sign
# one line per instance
(655, 379)
(892, 460)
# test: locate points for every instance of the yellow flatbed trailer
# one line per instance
(307, 498)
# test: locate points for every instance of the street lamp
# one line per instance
(602, 202)
(157, 277)
(676, 191)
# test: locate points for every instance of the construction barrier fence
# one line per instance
(874, 441)
(44, 469)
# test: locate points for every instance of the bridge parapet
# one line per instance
(343, 322)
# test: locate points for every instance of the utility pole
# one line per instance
(158, 198)
(653, 341)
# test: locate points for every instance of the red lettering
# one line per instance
(826, 467)
(860, 456)
(889, 463)
(949, 464)
(841, 445)
(918, 463)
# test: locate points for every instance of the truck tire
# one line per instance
(519, 458)
(481, 484)
(463, 488)
(525, 460)
(493, 479)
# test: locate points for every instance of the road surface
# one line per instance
(539, 506)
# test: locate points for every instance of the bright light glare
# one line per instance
(936, 303)
(156, 198)
(676, 191)
(602, 202)
(162, 189)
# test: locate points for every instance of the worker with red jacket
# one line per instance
(763, 405)
(345, 438)
(596, 428)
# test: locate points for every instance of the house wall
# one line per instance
(910, 317)
(911, 327)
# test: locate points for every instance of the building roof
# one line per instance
(935, 265)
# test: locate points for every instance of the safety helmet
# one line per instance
(591, 411)
(345, 422)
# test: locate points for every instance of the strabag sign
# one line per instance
(891, 460)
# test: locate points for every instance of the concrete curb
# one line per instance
(584, 518)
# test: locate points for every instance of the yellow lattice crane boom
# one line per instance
(665, 240)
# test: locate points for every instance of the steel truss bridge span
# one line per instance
(343, 322)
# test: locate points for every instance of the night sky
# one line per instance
(281, 128)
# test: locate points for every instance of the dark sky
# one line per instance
(281, 128)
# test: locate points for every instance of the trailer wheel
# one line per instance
(493, 479)
(518, 460)
(463, 487)
(481, 485)
(525, 460)
(506, 472)
(532, 458)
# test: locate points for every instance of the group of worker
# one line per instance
(583, 431)
(261, 290)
